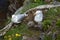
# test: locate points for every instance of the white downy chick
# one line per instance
(38, 16)
(17, 18)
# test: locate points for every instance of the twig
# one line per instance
(43, 7)
(5, 29)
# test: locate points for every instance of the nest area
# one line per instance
(31, 15)
(30, 18)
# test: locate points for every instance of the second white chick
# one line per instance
(17, 18)
(38, 16)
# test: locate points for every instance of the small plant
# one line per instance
(46, 24)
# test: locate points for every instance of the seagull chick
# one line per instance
(38, 16)
(17, 18)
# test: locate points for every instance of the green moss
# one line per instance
(58, 37)
(58, 23)
(48, 37)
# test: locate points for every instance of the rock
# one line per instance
(25, 37)
(38, 26)
(42, 35)
(29, 38)
(30, 23)
(54, 36)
